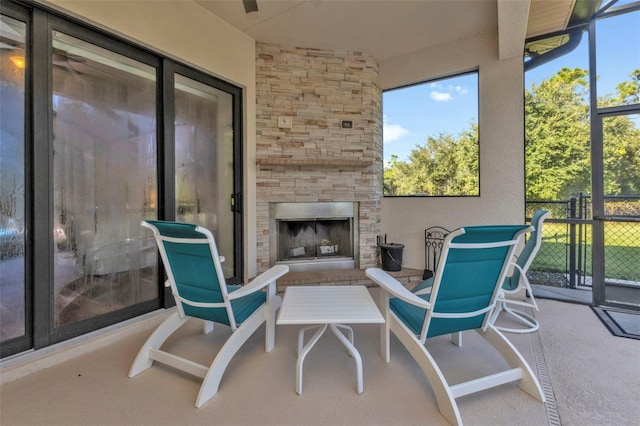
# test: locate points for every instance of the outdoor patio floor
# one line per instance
(589, 376)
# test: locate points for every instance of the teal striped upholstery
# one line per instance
(428, 283)
(196, 280)
(464, 295)
(192, 262)
(468, 283)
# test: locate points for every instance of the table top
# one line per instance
(328, 305)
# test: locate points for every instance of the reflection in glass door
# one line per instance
(204, 162)
(82, 148)
(12, 178)
(104, 180)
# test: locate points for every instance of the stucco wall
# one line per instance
(501, 122)
(187, 32)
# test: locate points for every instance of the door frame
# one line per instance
(599, 285)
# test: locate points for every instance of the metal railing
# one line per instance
(564, 259)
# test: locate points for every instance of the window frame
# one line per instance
(474, 71)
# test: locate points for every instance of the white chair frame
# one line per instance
(211, 375)
(446, 394)
(506, 297)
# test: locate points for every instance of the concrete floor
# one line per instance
(590, 377)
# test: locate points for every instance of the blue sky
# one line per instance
(412, 114)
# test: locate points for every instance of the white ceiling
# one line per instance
(388, 28)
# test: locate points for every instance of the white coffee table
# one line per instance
(332, 306)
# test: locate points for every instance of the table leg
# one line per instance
(348, 343)
(304, 350)
(349, 333)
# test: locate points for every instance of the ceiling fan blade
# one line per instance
(250, 5)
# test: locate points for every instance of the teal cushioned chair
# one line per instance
(518, 282)
(194, 272)
(465, 287)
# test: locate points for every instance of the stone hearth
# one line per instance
(408, 277)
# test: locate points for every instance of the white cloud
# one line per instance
(461, 90)
(440, 96)
(392, 132)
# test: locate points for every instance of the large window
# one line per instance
(96, 135)
(430, 137)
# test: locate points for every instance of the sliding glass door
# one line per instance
(204, 167)
(104, 180)
(13, 284)
(97, 135)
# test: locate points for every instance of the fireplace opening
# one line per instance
(318, 239)
(313, 236)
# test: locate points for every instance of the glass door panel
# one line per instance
(204, 168)
(12, 178)
(104, 180)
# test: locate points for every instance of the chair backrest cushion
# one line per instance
(469, 277)
(192, 266)
(466, 281)
(530, 249)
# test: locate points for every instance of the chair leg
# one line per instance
(445, 399)
(528, 382)
(385, 352)
(383, 305)
(528, 320)
(143, 361)
(273, 304)
(523, 317)
(456, 338)
(496, 311)
(213, 377)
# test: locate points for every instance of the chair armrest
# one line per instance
(394, 287)
(267, 277)
(423, 288)
(423, 292)
(523, 277)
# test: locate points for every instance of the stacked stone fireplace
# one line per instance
(327, 150)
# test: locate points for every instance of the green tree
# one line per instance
(629, 91)
(621, 156)
(621, 150)
(557, 137)
(557, 142)
(444, 165)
